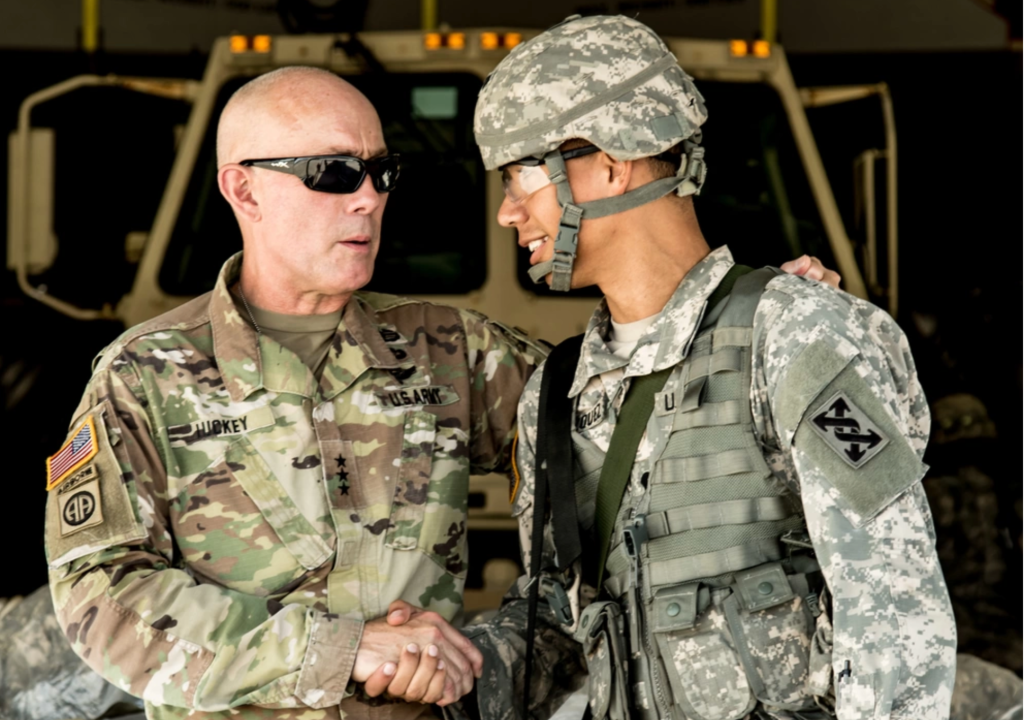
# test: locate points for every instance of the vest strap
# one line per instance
(618, 464)
(734, 512)
(705, 467)
(714, 564)
(711, 415)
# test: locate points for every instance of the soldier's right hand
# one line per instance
(384, 641)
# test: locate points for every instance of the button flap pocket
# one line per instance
(764, 587)
(675, 608)
(276, 506)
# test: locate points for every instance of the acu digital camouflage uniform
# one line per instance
(247, 520)
(891, 638)
(797, 426)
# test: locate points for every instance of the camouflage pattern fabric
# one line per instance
(893, 646)
(41, 678)
(975, 548)
(985, 691)
(544, 93)
(251, 519)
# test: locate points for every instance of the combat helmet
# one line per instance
(610, 81)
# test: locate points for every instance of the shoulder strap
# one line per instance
(618, 462)
(554, 476)
(744, 297)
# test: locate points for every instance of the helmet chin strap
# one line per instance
(688, 181)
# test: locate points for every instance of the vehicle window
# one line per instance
(434, 231)
(757, 199)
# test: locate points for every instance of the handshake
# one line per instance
(416, 656)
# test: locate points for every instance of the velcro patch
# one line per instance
(417, 396)
(79, 504)
(220, 427)
(848, 431)
(587, 419)
(76, 453)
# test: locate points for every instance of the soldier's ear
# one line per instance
(235, 182)
(617, 173)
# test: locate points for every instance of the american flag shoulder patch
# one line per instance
(79, 450)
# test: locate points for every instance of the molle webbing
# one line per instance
(713, 441)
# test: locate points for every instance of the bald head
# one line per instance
(275, 114)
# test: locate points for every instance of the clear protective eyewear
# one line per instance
(525, 177)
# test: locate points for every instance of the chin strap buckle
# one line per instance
(565, 247)
(693, 171)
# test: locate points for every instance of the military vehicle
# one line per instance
(767, 195)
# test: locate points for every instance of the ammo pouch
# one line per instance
(725, 649)
(601, 632)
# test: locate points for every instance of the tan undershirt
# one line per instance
(308, 336)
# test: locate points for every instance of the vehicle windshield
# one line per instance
(428, 120)
(757, 199)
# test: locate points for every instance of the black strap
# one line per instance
(554, 461)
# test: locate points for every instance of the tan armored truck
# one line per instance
(767, 194)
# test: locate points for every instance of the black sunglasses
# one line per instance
(341, 174)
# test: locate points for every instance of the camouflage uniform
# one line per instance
(239, 522)
(892, 639)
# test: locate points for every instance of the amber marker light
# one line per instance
(490, 41)
(762, 49)
(739, 48)
(513, 39)
(457, 41)
(432, 41)
(261, 43)
(239, 43)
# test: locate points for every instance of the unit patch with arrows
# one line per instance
(848, 431)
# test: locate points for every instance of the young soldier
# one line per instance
(736, 528)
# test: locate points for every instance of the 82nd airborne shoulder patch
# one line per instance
(76, 453)
(848, 431)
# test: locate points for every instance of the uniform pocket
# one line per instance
(772, 628)
(707, 679)
(237, 525)
(429, 508)
(601, 634)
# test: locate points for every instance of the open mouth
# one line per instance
(536, 249)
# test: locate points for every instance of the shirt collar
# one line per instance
(668, 340)
(249, 363)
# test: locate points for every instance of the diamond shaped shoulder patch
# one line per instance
(848, 431)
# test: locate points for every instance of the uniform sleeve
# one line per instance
(852, 423)
(148, 626)
(559, 668)
(500, 361)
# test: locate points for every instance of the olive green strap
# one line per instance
(618, 464)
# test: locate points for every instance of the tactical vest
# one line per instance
(712, 600)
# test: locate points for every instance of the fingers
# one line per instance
(800, 266)
(407, 667)
(438, 684)
(400, 612)
(833, 278)
(813, 269)
(424, 677)
(466, 647)
(379, 681)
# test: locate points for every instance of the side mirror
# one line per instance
(31, 242)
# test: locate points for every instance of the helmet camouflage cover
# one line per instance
(608, 80)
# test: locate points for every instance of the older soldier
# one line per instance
(253, 478)
(737, 527)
